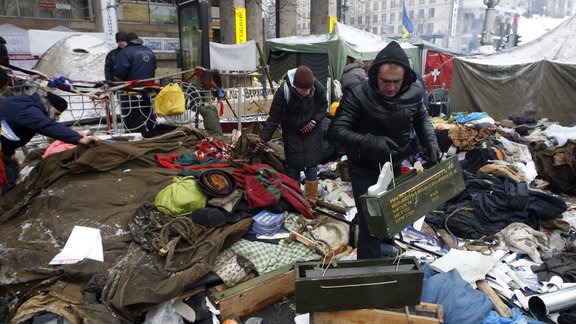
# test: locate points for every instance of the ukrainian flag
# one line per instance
(407, 27)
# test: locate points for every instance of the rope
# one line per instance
(179, 239)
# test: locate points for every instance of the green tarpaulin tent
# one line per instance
(326, 53)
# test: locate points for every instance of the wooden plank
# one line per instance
(256, 294)
(497, 303)
(363, 316)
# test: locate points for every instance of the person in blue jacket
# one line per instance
(136, 62)
(24, 116)
(110, 62)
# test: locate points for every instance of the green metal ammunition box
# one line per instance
(361, 284)
(397, 208)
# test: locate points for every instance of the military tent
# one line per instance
(329, 50)
(533, 80)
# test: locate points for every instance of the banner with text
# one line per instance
(240, 15)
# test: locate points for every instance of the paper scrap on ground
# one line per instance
(471, 265)
(83, 243)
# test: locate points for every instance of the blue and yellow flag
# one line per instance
(407, 27)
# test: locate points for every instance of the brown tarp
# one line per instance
(99, 187)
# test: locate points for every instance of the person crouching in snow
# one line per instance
(298, 106)
(22, 118)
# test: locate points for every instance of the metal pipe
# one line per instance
(553, 302)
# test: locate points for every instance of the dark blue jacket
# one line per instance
(135, 62)
(109, 64)
(26, 116)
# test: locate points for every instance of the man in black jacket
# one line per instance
(353, 73)
(375, 123)
(122, 41)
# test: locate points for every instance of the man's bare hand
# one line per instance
(89, 140)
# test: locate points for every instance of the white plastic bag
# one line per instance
(163, 314)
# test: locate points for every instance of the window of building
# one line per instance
(400, 29)
(368, 7)
(392, 17)
(359, 10)
(374, 30)
(148, 11)
(375, 19)
(384, 4)
(432, 1)
(421, 2)
(383, 18)
(367, 19)
(411, 2)
(375, 6)
(431, 13)
(411, 14)
(392, 4)
(351, 20)
(421, 14)
(64, 10)
(430, 28)
(359, 20)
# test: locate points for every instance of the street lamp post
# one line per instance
(487, 38)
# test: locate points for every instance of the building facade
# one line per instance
(453, 24)
(153, 20)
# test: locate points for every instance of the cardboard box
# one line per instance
(398, 207)
(360, 284)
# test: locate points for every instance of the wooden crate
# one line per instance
(255, 294)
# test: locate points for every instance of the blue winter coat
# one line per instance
(135, 62)
(27, 116)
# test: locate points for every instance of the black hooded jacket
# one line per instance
(4, 60)
(301, 150)
(366, 120)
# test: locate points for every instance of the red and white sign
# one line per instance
(438, 70)
(52, 5)
(47, 5)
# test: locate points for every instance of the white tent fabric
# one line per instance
(233, 57)
(77, 57)
(559, 45)
(532, 80)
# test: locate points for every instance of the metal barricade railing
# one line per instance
(126, 112)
